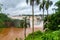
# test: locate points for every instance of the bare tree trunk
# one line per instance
(33, 19)
(47, 14)
(43, 14)
(25, 26)
(43, 18)
(25, 33)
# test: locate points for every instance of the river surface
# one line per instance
(13, 33)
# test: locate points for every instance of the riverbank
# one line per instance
(13, 33)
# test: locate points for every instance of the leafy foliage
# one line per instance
(32, 2)
(55, 35)
(58, 6)
(42, 5)
(3, 19)
(18, 23)
(53, 21)
(36, 35)
(48, 4)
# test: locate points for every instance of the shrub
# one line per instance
(51, 36)
(36, 35)
(18, 23)
(53, 21)
(55, 35)
(3, 19)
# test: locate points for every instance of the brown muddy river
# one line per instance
(13, 33)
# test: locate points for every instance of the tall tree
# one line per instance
(42, 6)
(48, 4)
(32, 4)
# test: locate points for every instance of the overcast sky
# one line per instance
(16, 7)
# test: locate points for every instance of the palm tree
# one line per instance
(48, 4)
(42, 6)
(32, 4)
(58, 6)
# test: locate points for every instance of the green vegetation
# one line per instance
(36, 35)
(5, 22)
(53, 21)
(18, 23)
(55, 35)
(3, 19)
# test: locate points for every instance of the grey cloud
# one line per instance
(10, 3)
(16, 7)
